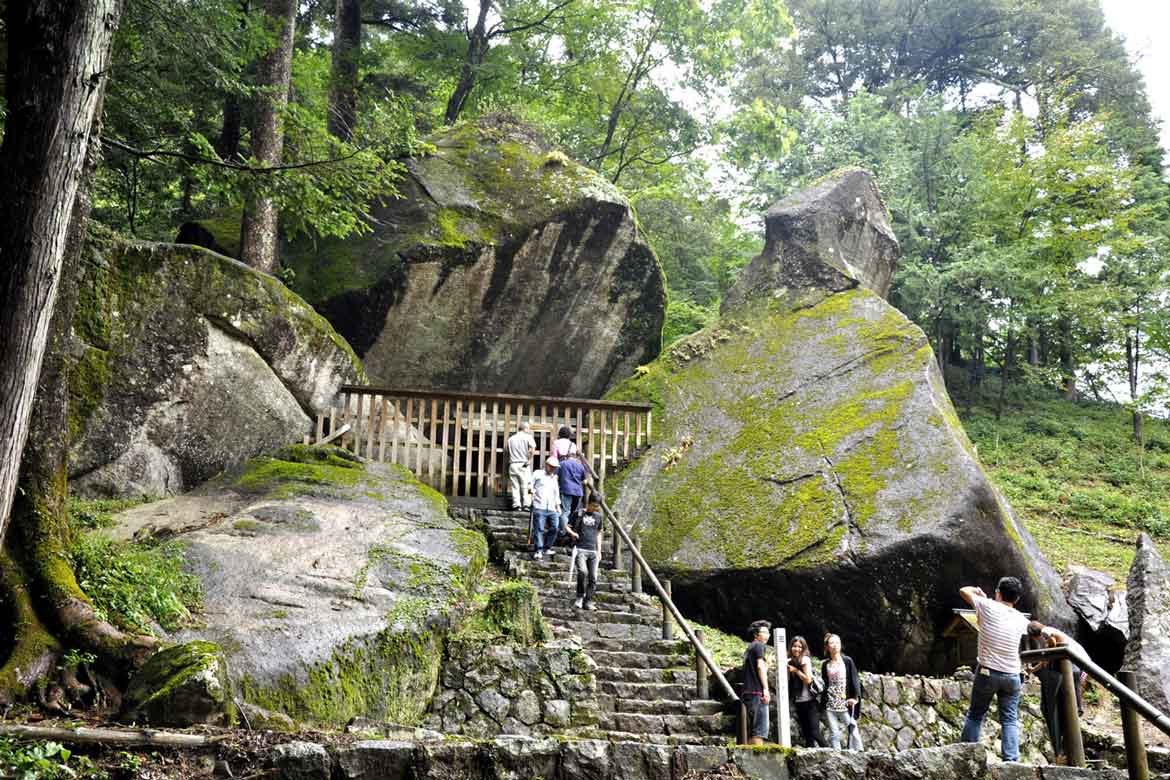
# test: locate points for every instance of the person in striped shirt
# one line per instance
(997, 673)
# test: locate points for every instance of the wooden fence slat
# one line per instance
(649, 421)
(320, 427)
(493, 482)
(545, 440)
(344, 417)
(406, 432)
(332, 422)
(480, 465)
(433, 438)
(577, 428)
(626, 437)
(468, 450)
(442, 486)
(358, 428)
(372, 432)
(455, 459)
(638, 436)
(604, 441)
(382, 429)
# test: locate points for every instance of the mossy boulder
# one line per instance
(187, 362)
(504, 267)
(185, 685)
(808, 467)
(327, 581)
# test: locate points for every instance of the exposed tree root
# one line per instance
(35, 651)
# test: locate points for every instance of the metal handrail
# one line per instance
(1130, 697)
(666, 600)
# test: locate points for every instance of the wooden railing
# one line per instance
(456, 442)
(1133, 706)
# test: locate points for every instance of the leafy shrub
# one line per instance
(44, 761)
(135, 585)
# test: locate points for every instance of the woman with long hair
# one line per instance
(804, 691)
(842, 695)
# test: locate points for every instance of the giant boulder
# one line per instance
(326, 582)
(1148, 597)
(504, 267)
(187, 362)
(809, 467)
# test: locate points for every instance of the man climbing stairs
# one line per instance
(645, 684)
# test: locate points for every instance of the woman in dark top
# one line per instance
(804, 698)
(1051, 682)
(841, 698)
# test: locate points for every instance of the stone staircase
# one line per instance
(645, 684)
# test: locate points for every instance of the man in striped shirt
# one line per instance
(997, 673)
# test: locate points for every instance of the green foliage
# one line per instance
(1073, 474)
(37, 760)
(98, 512)
(134, 585)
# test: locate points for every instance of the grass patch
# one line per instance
(135, 586)
(1073, 473)
(99, 513)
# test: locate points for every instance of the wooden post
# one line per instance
(1131, 728)
(649, 426)
(468, 450)
(617, 552)
(1070, 720)
(635, 569)
(371, 430)
(742, 726)
(604, 432)
(455, 449)
(406, 433)
(344, 418)
(667, 620)
(638, 439)
(320, 428)
(481, 466)
(780, 689)
(332, 420)
(358, 427)
(626, 437)
(382, 429)
(493, 475)
(702, 685)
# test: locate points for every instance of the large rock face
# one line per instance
(326, 582)
(834, 236)
(188, 362)
(505, 267)
(1148, 650)
(809, 468)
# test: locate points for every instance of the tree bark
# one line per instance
(1067, 365)
(258, 231)
(1132, 368)
(477, 49)
(58, 55)
(347, 47)
(228, 144)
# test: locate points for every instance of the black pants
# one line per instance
(808, 715)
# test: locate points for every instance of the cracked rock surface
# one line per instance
(808, 462)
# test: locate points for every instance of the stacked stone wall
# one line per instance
(504, 689)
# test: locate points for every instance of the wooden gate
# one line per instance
(456, 442)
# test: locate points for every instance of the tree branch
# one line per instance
(256, 169)
(521, 27)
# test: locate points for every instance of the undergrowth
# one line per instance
(135, 585)
(1073, 472)
(45, 761)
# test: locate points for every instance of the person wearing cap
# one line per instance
(546, 507)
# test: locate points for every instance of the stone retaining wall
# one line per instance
(527, 758)
(898, 713)
(487, 690)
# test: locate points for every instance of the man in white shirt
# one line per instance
(546, 507)
(521, 447)
(997, 673)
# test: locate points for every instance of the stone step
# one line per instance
(565, 610)
(589, 630)
(680, 676)
(661, 724)
(655, 739)
(654, 647)
(639, 659)
(663, 706)
(633, 690)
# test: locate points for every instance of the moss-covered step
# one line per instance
(327, 581)
(501, 249)
(184, 685)
(187, 362)
(809, 467)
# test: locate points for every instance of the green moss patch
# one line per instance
(510, 614)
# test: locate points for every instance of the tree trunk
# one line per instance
(1067, 364)
(1132, 368)
(58, 54)
(228, 144)
(477, 48)
(347, 47)
(1009, 351)
(258, 231)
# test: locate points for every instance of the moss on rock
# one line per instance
(183, 685)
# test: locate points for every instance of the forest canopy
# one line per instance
(1013, 141)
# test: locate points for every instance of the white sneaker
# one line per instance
(550, 552)
(592, 607)
(536, 556)
(577, 603)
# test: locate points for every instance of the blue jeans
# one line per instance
(545, 531)
(569, 507)
(1006, 688)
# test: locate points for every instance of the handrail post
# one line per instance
(742, 724)
(702, 686)
(780, 689)
(667, 624)
(1131, 728)
(617, 553)
(1070, 720)
(635, 569)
